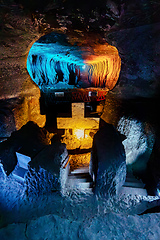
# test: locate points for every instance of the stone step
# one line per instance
(80, 185)
(132, 179)
(81, 170)
(133, 191)
(134, 184)
(80, 178)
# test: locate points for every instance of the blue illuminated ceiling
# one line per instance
(56, 64)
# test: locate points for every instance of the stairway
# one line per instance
(80, 179)
(133, 186)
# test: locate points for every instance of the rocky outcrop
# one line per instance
(138, 144)
(139, 138)
(30, 138)
(16, 112)
(29, 110)
(99, 227)
(137, 120)
(47, 171)
(18, 93)
(108, 165)
(153, 169)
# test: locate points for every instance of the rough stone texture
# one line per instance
(112, 109)
(109, 226)
(108, 161)
(153, 169)
(54, 63)
(139, 51)
(18, 32)
(18, 206)
(16, 112)
(29, 110)
(137, 120)
(7, 121)
(30, 137)
(16, 87)
(113, 226)
(47, 172)
(139, 140)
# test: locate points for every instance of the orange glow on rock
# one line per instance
(60, 65)
(103, 66)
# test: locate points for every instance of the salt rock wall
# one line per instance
(139, 51)
(51, 175)
(139, 139)
(54, 63)
(107, 227)
(108, 163)
(138, 144)
(30, 137)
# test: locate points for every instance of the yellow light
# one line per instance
(79, 133)
(86, 135)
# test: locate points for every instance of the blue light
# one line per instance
(158, 192)
(56, 64)
(49, 64)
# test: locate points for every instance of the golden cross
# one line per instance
(78, 121)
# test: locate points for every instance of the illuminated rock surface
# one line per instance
(17, 206)
(108, 226)
(54, 63)
(51, 175)
(108, 161)
(18, 31)
(138, 121)
(29, 137)
(45, 180)
(139, 139)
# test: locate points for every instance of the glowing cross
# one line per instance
(78, 122)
